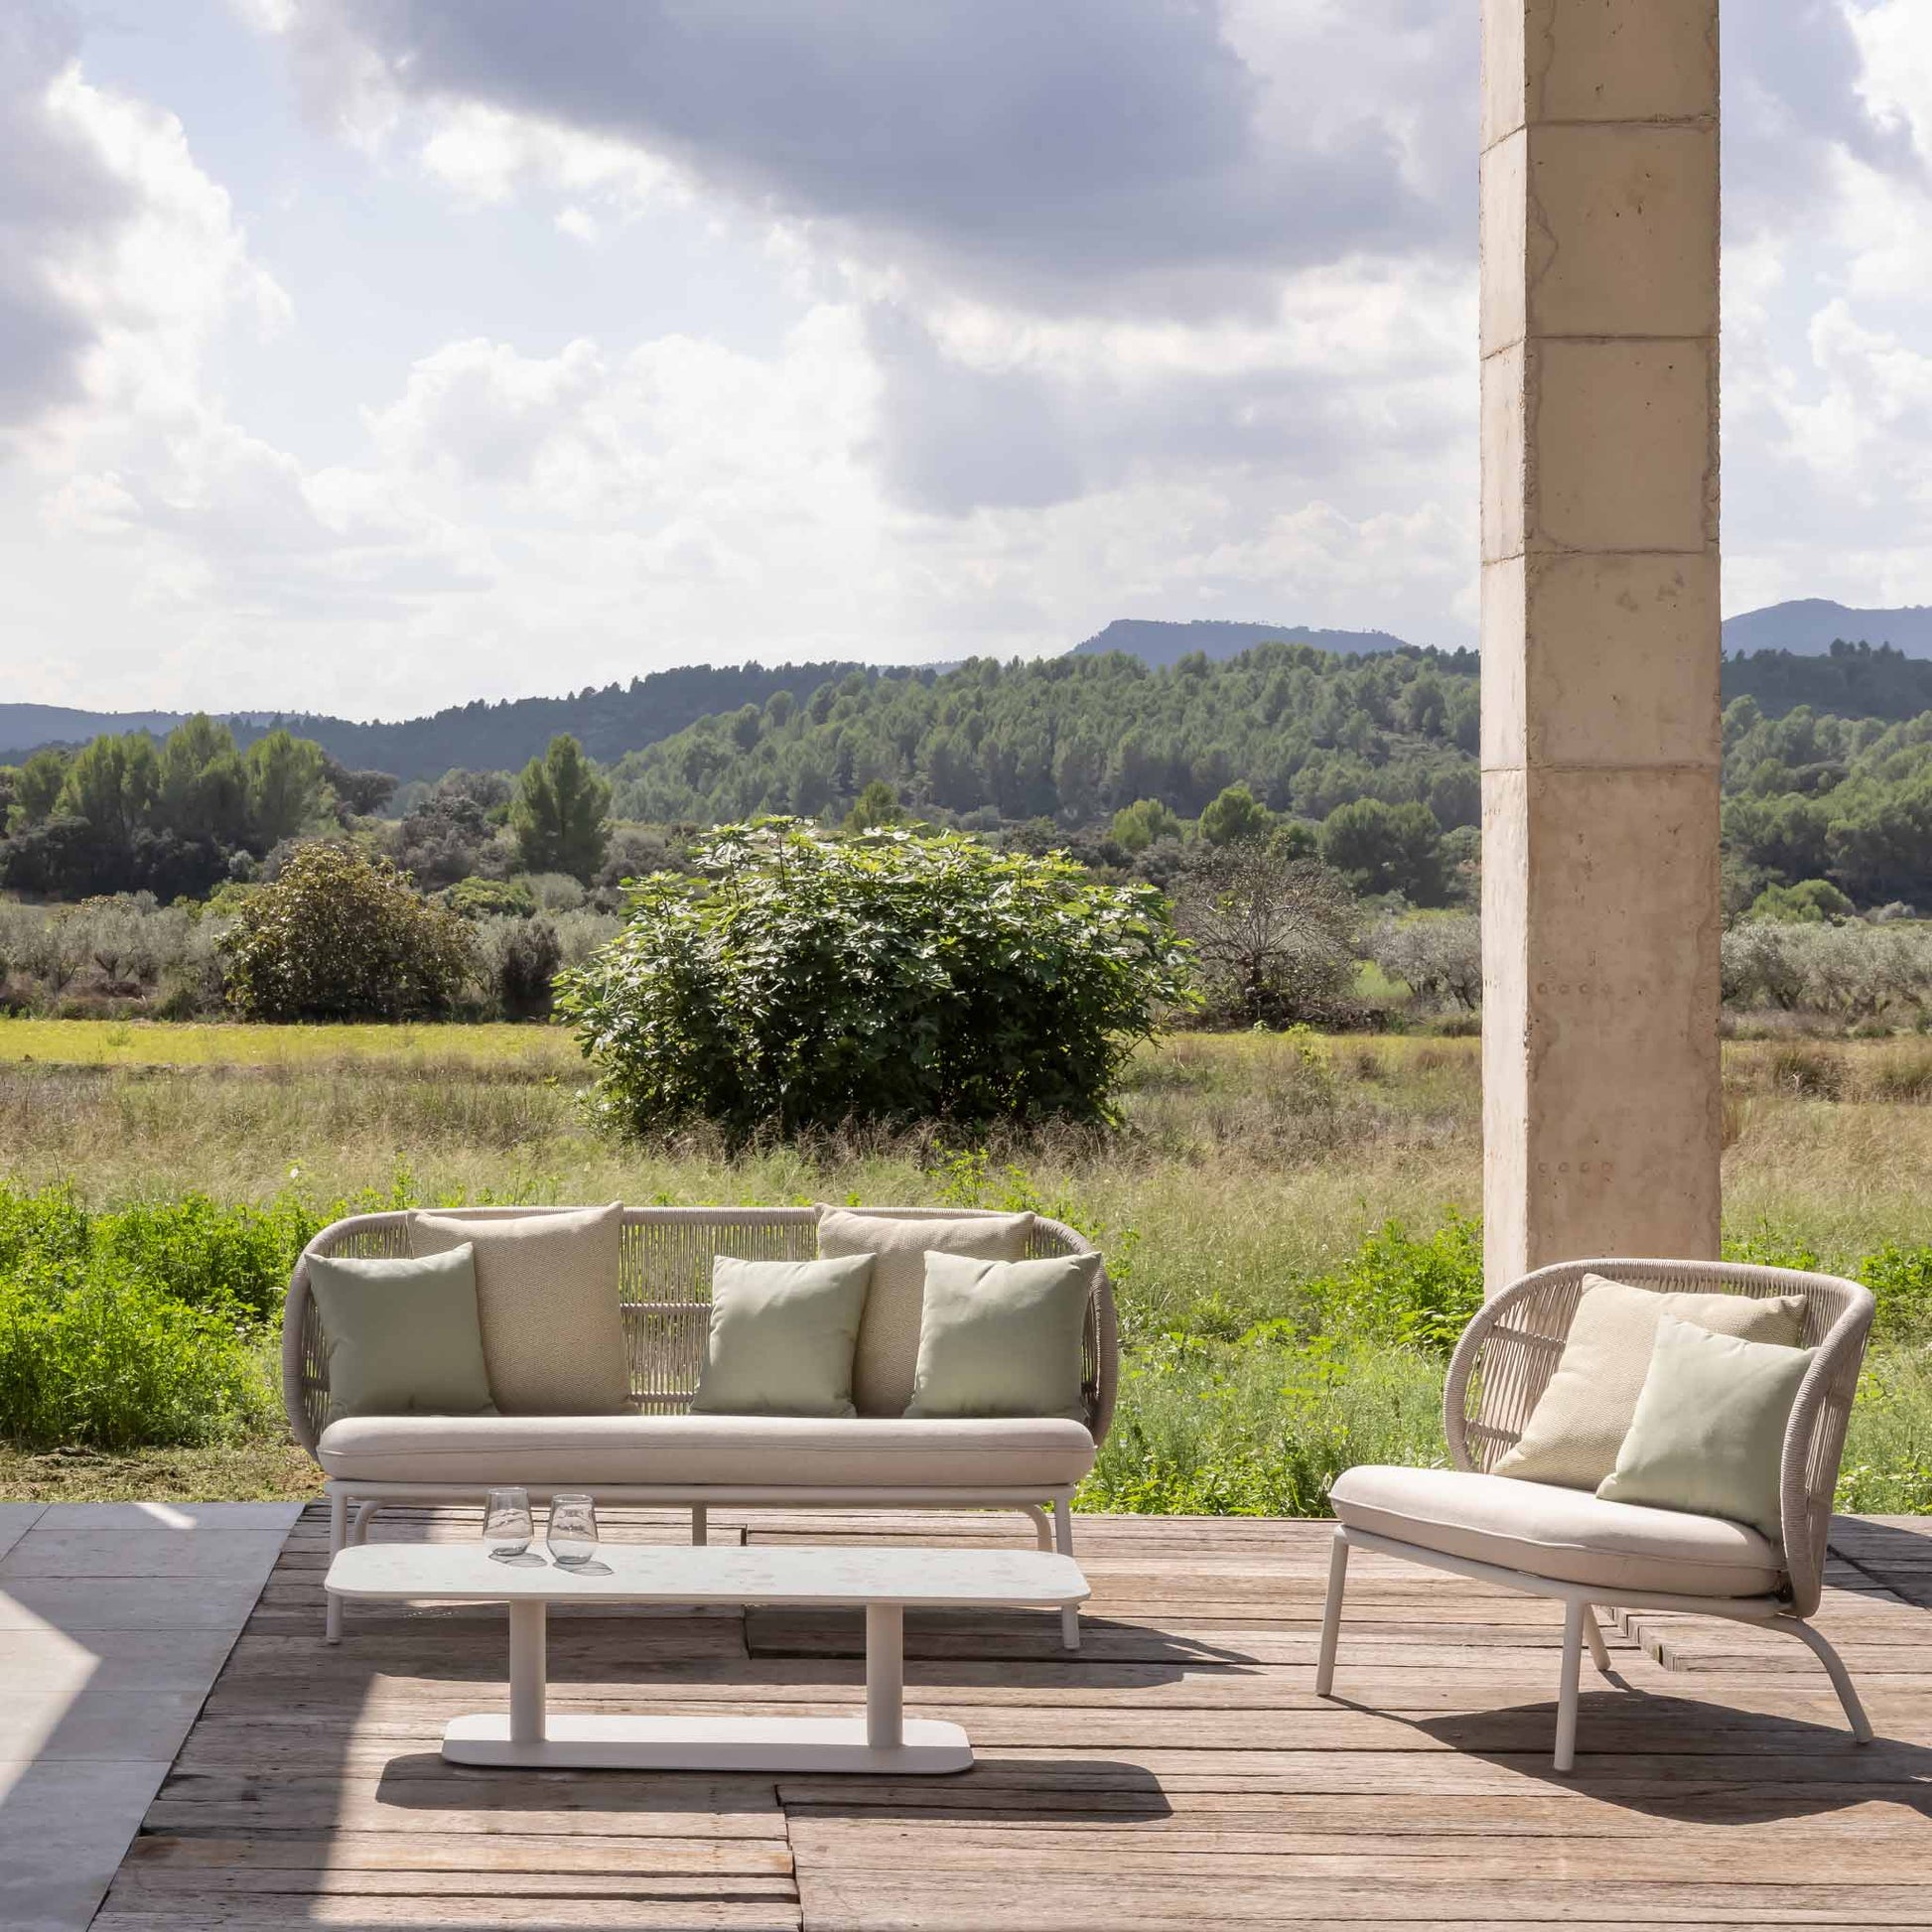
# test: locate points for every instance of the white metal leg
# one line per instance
(885, 1676)
(700, 1525)
(1042, 1525)
(332, 1629)
(1325, 1663)
(365, 1516)
(1063, 1542)
(1573, 1612)
(529, 1672)
(1841, 1677)
(884, 1740)
(1600, 1651)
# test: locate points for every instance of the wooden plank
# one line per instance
(1179, 1758)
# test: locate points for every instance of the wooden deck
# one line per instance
(1180, 1771)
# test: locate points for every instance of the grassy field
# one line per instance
(1248, 1169)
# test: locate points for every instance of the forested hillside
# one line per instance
(1080, 737)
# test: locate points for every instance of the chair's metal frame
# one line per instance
(1500, 1368)
(665, 1290)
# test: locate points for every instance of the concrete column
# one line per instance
(1601, 1114)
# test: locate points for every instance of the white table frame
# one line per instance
(882, 1582)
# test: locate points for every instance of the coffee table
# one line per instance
(881, 1581)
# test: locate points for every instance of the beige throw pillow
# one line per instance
(888, 1337)
(1575, 1430)
(1708, 1432)
(547, 1304)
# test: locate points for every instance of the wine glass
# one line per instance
(508, 1527)
(572, 1530)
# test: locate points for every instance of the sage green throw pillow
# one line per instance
(1708, 1435)
(884, 1369)
(1002, 1337)
(1581, 1417)
(402, 1337)
(781, 1336)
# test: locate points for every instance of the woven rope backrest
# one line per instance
(1508, 1352)
(665, 1288)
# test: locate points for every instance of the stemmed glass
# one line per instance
(572, 1533)
(508, 1527)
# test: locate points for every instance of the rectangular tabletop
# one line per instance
(797, 1576)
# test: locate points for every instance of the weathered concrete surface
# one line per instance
(114, 1619)
(1601, 650)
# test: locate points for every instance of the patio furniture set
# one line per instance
(1583, 1471)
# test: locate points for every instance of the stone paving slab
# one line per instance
(115, 1620)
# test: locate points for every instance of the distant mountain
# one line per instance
(498, 736)
(27, 727)
(1810, 625)
(1158, 643)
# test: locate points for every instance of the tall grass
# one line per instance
(1288, 1219)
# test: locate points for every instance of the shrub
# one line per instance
(804, 981)
(1400, 1289)
(528, 957)
(339, 935)
(144, 1326)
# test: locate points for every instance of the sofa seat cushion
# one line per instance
(1566, 1534)
(779, 1451)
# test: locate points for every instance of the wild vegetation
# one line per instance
(1276, 1326)
(803, 982)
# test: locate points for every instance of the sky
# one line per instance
(372, 355)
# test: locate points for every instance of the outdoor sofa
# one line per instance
(655, 1451)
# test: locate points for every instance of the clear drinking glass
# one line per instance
(508, 1527)
(573, 1529)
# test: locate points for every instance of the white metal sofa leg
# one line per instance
(1574, 1613)
(1324, 1664)
(332, 1629)
(1841, 1678)
(1063, 1542)
(365, 1514)
(1042, 1525)
(1600, 1651)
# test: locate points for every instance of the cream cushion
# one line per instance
(547, 1302)
(693, 1451)
(883, 1368)
(1546, 1531)
(1708, 1431)
(1579, 1424)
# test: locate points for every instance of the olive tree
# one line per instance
(1275, 932)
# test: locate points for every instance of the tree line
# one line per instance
(1367, 762)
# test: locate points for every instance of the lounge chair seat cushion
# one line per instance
(686, 1451)
(1565, 1534)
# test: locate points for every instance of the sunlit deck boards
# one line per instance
(1177, 1772)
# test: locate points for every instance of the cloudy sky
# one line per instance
(375, 354)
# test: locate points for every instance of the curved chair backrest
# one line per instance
(665, 1288)
(1508, 1352)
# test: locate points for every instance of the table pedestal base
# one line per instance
(570, 1743)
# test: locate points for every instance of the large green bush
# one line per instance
(802, 981)
(341, 936)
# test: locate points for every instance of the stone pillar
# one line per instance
(1602, 1111)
